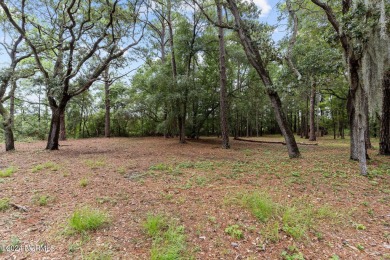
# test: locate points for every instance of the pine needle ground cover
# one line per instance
(194, 201)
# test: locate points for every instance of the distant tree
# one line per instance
(78, 31)
(9, 76)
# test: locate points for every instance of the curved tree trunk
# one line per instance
(384, 139)
(253, 54)
(291, 144)
(312, 136)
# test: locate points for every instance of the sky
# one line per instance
(269, 15)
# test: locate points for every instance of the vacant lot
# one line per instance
(142, 198)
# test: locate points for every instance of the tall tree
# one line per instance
(8, 77)
(253, 54)
(355, 28)
(80, 31)
(223, 107)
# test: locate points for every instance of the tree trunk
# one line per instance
(62, 126)
(8, 133)
(223, 82)
(384, 138)
(292, 146)
(367, 124)
(54, 133)
(253, 54)
(312, 136)
(107, 103)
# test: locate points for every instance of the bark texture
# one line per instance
(312, 136)
(107, 103)
(223, 83)
(384, 139)
(62, 126)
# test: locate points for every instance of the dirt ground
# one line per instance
(132, 177)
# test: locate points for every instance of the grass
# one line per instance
(4, 204)
(95, 164)
(259, 204)
(294, 219)
(88, 219)
(234, 231)
(83, 182)
(46, 166)
(41, 200)
(7, 172)
(169, 241)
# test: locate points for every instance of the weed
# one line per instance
(95, 164)
(234, 231)
(41, 200)
(121, 170)
(83, 182)
(360, 247)
(106, 199)
(4, 204)
(212, 219)
(45, 166)
(359, 226)
(74, 247)
(15, 241)
(7, 172)
(292, 253)
(86, 219)
(334, 257)
(99, 255)
(154, 224)
(160, 167)
(261, 206)
(271, 231)
(185, 165)
(168, 238)
(201, 181)
(204, 165)
(295, 174)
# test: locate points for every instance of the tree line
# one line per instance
(208, 68)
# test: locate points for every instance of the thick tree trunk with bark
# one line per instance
(8, 133)
(384, 138)
(54, 133)
(312, 136)
(357, 108)
(223, 83)
(62, 126)
(291, 144)
(9, 136)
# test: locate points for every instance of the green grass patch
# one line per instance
(160, 167)
(87, 219)
(4, 204)
(259, 204)
(83, 182)
(41, 200)
(7, 172)
(234, 231)
(169, 241)
(46, 166)
(295, 219)
(95, 164)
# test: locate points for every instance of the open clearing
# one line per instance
(316, 207)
